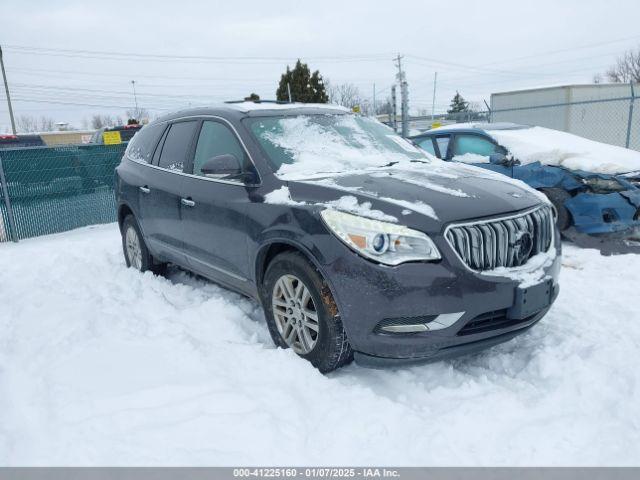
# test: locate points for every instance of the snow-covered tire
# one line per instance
(557, 197)
(136, 253)
(331, 348)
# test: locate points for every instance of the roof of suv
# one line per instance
(258, 109)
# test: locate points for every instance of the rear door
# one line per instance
(214, 210)
(161, 195)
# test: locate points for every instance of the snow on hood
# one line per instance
(553, 147)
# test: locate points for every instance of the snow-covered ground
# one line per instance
(102, 365)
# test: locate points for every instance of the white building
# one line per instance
(597, 111)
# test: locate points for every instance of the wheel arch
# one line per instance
(269, 250)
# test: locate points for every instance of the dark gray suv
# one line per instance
(355, 242)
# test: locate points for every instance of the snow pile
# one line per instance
(282, 196)
(344, 146)
(101, 365)
(251, 106)
(553, 147)
(417, 206)
(347, 203)
(530, 273)
(471, 158)
(350, 204)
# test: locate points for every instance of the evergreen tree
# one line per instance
(254, 97)
(458, 104)
(305, 86)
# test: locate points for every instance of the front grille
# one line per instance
(503, 242)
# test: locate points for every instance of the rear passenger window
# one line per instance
(176, 146)
(144, 143)
(217, 139)
(427, 145)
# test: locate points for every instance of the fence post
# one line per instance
(5, 193)
(631, 101)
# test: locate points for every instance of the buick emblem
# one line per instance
(522, 246)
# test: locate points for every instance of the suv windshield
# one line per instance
(306, 145)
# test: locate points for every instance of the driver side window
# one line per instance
(217, 139)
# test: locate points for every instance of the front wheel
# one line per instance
(301, 313)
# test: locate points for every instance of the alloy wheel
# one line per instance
(295, 314)
(134, 251)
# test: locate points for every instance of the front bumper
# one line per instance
(368, 293)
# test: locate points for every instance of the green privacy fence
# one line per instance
(53, 189)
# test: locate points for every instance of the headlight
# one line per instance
(383, 242)
(603, 185)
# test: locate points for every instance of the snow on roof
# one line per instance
(553, 147)
(557, 148)
(252, 106)
(481, 126)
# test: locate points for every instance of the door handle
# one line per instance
(144, 189)
(187, 202)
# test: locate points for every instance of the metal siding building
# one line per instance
(596, 111)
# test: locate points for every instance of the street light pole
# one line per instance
(6, 89)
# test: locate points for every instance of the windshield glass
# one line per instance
(306, 145)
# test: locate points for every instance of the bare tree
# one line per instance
(27, 123)
(46, 124)
(384, 108)
(138, 114)
(345, 94)
(627, 68)
(98, 121)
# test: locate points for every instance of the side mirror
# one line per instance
(226, 167)
(221, 166)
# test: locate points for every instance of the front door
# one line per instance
(214, 210)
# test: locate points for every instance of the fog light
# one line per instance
(419, 324)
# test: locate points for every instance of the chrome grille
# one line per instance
(503, 242)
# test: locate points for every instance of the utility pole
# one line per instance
(289, 91)
(433, 102)
(375, 110)
(404, 97)
(394, 109)
(135, 100)
(6, 89)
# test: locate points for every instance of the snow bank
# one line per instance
(101, 365)
(553, 147)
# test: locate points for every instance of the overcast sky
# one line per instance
(476, 48)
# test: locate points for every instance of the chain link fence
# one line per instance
(53, 189)
(610, 114)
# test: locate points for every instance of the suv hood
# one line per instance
(453, 192)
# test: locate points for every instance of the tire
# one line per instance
(327, 348)
(557, 197)
(136, 253)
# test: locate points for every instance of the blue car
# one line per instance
(594, 187)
